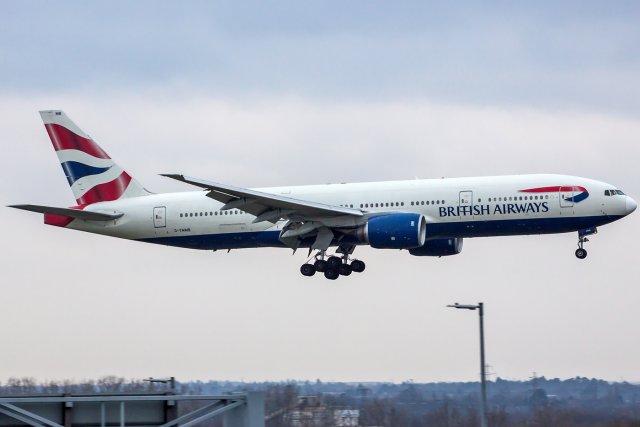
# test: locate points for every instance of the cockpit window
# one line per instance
(607, 193)
(620, 192)
(613, 192)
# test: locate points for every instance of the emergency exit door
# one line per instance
(159, 217)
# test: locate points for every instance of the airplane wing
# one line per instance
(306, 219)
(73, 213)
(266, 206)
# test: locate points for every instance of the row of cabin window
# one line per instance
(192, 214)
(516, 198)
(380, 205)
(422, 202)
(386, 204)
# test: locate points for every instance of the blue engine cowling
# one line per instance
(439, 247)
(395, 231)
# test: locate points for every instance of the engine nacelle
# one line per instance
(395, 231)
(439, 247)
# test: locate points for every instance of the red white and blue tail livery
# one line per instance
(92, 174)
(426, 217)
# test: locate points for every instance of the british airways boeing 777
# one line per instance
(427, 217)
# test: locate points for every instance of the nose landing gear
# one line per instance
(581, 252)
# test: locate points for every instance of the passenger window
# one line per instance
(401, 203)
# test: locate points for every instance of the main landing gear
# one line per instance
(332, 267)
(581, 252)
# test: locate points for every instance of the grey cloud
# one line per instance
(564, 56)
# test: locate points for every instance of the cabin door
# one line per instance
(466, 205)
(566, 197)
(159, 217)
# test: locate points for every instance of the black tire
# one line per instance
(358, 266)
(344, 269)
(320, 265)
(331, 273)
(307, 270)
(581, 253)
(334, 262)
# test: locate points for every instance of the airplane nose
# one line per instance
(631, 205)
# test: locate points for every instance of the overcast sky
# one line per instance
(283, 93)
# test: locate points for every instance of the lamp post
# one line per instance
(483, 375)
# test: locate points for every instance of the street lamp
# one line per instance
(483, 375)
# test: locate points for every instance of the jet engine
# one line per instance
(394, 231)
(439, 247)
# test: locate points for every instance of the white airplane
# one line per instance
(427, 217)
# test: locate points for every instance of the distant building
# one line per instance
(346, 417)
(310, 412)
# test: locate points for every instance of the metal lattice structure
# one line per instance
(122, 410)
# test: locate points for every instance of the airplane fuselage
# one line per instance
(453, 207)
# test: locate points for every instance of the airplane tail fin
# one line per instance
(93, 176)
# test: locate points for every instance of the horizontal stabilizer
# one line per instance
(73, 213)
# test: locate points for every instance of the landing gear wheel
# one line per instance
(334, 262)
(344, 269)
(331, 273)
(307, 270)
(320, 265)
(581, 253)
(357, 266)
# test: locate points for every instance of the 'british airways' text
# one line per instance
(502, 209)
